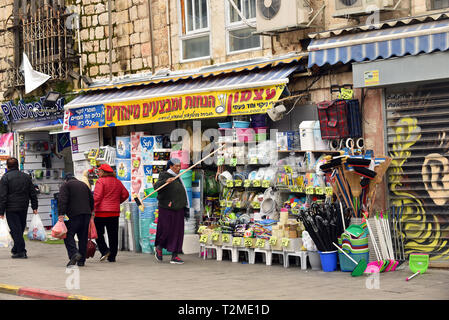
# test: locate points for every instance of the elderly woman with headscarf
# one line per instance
(173, 203)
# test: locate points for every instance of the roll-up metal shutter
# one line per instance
(418, 179)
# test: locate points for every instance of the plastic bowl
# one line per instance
(227, 125)
(241, 124)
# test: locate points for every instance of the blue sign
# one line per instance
(87, 117)
(32, 110)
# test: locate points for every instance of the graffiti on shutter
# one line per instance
(418, 178)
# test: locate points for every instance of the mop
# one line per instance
(389, 241)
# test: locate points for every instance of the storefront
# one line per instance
(408, 67)
(42, 149)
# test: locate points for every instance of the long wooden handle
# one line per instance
(347, 255)
(187, 170)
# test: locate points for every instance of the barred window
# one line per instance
(44, 31)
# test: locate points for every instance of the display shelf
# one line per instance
(158, 162)
(314, 151)
(162, 150)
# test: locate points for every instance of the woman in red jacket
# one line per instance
(109, 193)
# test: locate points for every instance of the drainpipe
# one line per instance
(110, 38)
(169, 34)
(150, 19)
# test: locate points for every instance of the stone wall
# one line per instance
(6, 44)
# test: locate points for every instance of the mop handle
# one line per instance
(180, 174)
(342, 251)
(412, 276)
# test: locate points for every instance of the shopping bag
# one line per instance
(59, 230)
(5, 236)
(36, 230)
(91, 248)
(92, 230)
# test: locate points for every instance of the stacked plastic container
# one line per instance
(356, 248)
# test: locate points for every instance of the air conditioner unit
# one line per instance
(273, 15)
(345, 8)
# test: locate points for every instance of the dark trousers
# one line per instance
(111, 225)
(78, 225)
(17, 222)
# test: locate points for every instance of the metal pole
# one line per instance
(150, 19)
(110, 38)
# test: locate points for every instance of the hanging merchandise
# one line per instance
(333, 119)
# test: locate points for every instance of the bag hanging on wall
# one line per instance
(354, 118)
(333, 118)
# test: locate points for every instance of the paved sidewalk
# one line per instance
(140, 276)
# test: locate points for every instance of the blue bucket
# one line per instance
(328, 260)
(187, 178)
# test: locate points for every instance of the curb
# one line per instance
(41, 294)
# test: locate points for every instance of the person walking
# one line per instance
(173, 205)
(16, 192)
(109, 193)
(75, 200)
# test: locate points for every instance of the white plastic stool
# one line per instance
(298, 254)
(234, 253)
(281, 253)
(267, 255)
(250, 252)
(207, 250)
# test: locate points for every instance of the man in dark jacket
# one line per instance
(16, 191)
(76, 201)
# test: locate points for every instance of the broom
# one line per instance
(140, 202)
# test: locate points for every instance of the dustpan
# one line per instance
(360, 266)
(418, 263)
(355, 230)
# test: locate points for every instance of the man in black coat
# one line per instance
(75, 201)
(16, 191)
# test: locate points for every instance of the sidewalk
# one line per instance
(140, 276)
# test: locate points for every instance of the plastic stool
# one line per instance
(298, 254)
(281, 253)
(234, 253)
(267, 255)
(251, 254)
(219, 253)
(206, 249)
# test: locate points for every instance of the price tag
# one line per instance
(215, 236)
(220, 161)
(329, 191)
(346, 94)
(203, 238)
(319, 190)
(155, 180)
(310, 190)
(93, 162)
(273, 241)
(247, 183)
(300, 189)
(285, 242)
(236, 241)
(136, 163)
(260, 243)
(225, 237)
(256, 183)
(266, 183)
(149, 179)
(222, 203)
(254, 160)
(238, 183)
(288, 169)
(229, 183)
(238, 204)
(255, 205)
(248, 242)
(201, 229)
(229, 203)
(233, 162)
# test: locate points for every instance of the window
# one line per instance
(440, 4)
(240, 37)
(195, 38)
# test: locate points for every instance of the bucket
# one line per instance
(328, 260)
(241, 124)
(315, 260)
(187, 178)
(346, 265)
(245, 134)
(226, 125)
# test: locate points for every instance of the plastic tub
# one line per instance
(314, 259)
(241, 124)
(225, 125)
(328, 260)
(346, 265)
(245, 134)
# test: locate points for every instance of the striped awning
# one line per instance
(381, 44)
(244, 79)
